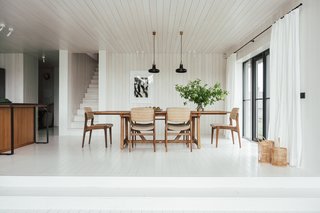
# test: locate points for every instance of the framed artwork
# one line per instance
(141, 87)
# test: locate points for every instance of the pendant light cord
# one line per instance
(154, 47)
(181, 47)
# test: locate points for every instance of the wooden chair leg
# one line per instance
(84, 136)
(154, 141)
(185, 138)
(166, 139)
(110, 135)
(90, 136)
(134, 138)
(105, 138)
(217, 137)
(190, 141)
(239, 139)
(130, 142)
(232, 136)
(212, 130)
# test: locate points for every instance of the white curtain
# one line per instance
(285, 115)
(230, 80)
(233, 86)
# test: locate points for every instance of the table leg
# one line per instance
(121, 132)
(198, 132)
(126, 136)
(193, 130)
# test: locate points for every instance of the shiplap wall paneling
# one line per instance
(13, 64)
(31, 78)
(210, 68)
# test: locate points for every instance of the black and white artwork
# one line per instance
(141, 87)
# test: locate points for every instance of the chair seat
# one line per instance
(100, 126)
(142, 127)
(178, 127)
(227, 126)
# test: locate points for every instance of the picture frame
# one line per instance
(141, 87)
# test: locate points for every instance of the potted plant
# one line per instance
(202, 95)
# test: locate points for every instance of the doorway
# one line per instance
(49, 88)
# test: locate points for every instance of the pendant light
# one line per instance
(154, 68)
(181, 69)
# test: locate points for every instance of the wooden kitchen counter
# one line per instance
(17, 126)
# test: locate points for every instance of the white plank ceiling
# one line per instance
(125, 26)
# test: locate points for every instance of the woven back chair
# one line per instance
(142, 123)
(142, 115)
(178, 115)
(178, 121)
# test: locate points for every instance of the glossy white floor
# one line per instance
(63, 156)
(62, 177)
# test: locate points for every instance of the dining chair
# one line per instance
(234, 127)
(178, 123)
(89, 118)
(142, 123)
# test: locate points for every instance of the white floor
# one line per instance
(63, 156)
(62, 177)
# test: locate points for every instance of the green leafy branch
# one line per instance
(202, 95)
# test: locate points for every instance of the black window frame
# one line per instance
(253, 97)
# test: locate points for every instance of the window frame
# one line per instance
(263, 55)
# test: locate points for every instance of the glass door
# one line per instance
(256, 97)
(247, 103)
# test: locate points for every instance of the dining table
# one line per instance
(160, 115)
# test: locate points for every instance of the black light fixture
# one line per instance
(181, 69)
(154, 68)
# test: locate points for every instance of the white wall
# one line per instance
(30, 76)
(310, 77)
(259, 45)
(13, 64)
(102, 79)
(208, 67)
(21, 77)
(64, 66)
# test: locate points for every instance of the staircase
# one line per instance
(91, 99)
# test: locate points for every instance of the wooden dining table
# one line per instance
(160, 115)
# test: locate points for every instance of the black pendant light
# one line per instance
(181, 69)
(154, 68)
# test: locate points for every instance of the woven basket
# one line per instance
(279, 156)
(264, 148)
